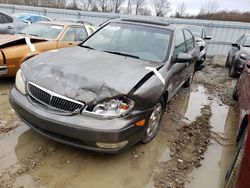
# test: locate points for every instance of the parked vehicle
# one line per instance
(10, 25)
(35, 39)
(239, 172)
(90, 27)
(31, 18)
(76, 21)
(200, 35)
(109, 92)
(237, 55)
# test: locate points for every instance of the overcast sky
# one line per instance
(193, 6)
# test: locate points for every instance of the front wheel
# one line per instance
(154, 123)
(189, 81)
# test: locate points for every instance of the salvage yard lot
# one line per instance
(193, 147)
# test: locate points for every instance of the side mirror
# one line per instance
(208, 37)
(235, 45)
(183, 58)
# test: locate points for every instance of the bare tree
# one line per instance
(117, 5)
(145, 11)
(182, 7)
(209, 7)
(104, 5)
(86, 4)
(161, 7)
(129, 6)
(139, 4)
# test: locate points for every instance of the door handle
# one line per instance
(10, 27)
(71, 43)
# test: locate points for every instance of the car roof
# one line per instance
(148, 22)
(30, 14)
(62, 23)
(81, 21)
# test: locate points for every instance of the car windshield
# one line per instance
(48, 31)
(247, 42)
(196, 30)
(142, 42)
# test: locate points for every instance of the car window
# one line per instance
(1, 19)
(246, 42)
(44, 19)
(196, 30)
(143, 42)
(5, 19)
(240, 40)
(35, 19)
(50, 31)
(180, 46)
(76, 34)
(190, 43)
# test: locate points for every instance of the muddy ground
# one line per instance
(193, 148)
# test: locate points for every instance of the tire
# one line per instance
(233, 171)
(236, 91)
(232, 72)
(188, 81)
(154, 123)
(227, 62)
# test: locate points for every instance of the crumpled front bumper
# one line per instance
(79, 130)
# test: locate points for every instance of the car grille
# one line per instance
(52, 99)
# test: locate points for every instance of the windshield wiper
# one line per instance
(35, 35)
(87, 47)
(123, 54)
(21, 33)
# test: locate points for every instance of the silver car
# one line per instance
(10, 25)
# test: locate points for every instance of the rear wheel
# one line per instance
(154, 123)
(232, 71)
(227, 62)
(236, 91)
(233, 171)
(189, 81)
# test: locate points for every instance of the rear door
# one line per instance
(190, 49)
(6, 24)
(177, 68)
(73, 36)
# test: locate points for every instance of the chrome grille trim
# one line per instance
(53, 100)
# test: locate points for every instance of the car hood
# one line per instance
(12, 40)
(200, 41)
(245, 50)
(9, 38)
(86, 75)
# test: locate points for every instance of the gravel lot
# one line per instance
(192, 149)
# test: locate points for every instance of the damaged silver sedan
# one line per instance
(109, 92)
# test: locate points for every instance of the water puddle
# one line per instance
(197, 99)
(218, 155)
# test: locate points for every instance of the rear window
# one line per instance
(50, 31)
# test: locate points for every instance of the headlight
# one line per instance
(20, 82)
(201, 43)
(114, 107)
(244, 56)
